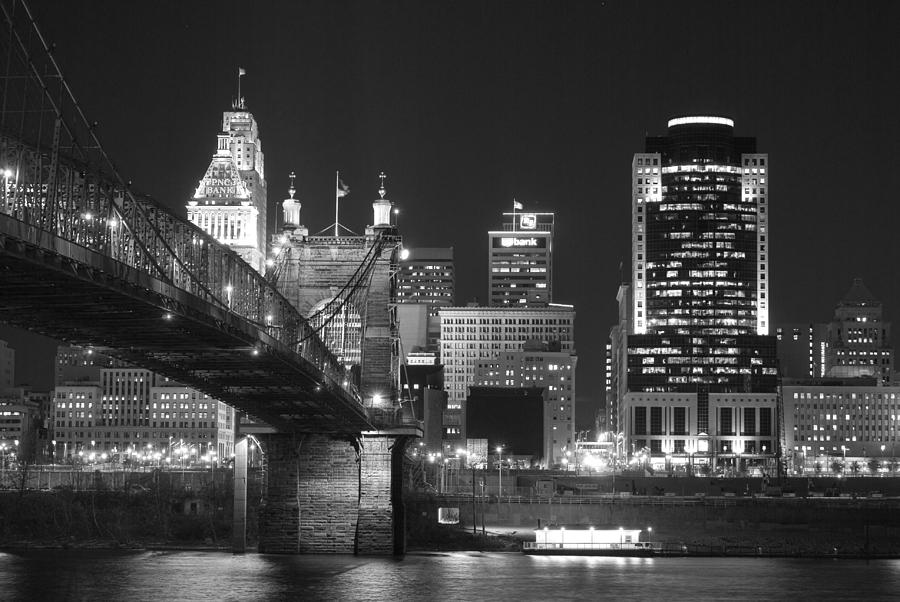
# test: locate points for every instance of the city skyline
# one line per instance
(467, 107)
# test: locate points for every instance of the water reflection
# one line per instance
(79, 575)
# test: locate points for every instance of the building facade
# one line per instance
(802, 350)
(426, 278)
(520, 261)
(230, 201)
(130, 413)
(484, 335)
(833, 420)
(699, 320)
(858, 342)
(538, 365)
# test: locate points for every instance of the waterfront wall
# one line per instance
(793, 525)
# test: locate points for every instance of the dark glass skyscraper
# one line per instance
(699, 215)
(701, 370)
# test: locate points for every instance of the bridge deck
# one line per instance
(62, 290)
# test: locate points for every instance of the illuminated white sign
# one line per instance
(528, 221)
(518, 242)
(701, 119)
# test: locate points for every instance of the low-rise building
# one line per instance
(840, 420)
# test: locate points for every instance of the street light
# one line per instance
(844, 464)
(500, 471)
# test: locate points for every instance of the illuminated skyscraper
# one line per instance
(699, 229)
(700, 296)
(521, 260)
(230, 200)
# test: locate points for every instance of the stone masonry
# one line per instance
(329, 495)
(375, 530)
(315, 270)
(279, 529)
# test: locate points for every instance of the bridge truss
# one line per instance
(85, 260)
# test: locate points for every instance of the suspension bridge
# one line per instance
(85, 260)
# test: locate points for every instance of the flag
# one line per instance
(517, 205)
(343, 189)
(241, 71)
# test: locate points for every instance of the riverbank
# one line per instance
(783, 527)
(157, 517)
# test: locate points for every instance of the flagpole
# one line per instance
(514, 214)
(337, 189)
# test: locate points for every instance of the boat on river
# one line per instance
(589, 541)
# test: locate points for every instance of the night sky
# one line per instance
(466, 105)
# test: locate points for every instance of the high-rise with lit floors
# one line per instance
(700, 295)
(425, 283)
(230, 200)
(699, 230)
(520, 271)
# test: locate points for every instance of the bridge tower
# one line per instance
(345, 285)
(340, 492)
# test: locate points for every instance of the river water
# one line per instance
(158, 576)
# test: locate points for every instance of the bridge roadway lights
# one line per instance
(332, 495)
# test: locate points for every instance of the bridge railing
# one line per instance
(57, 178)
(88, 210)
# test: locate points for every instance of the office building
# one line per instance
(427, 276)
(80, 364)
(127, 412)
(802, 350)
(858, 338)
(488, 417)
(230, 200)
(701, 370)
(425, 283)
(617, 367)
(542, 365)
(520, 257)
(7, 366)
(830, 420)
(422, 385)
(487, 335)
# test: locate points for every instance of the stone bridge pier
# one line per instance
(331, 494)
